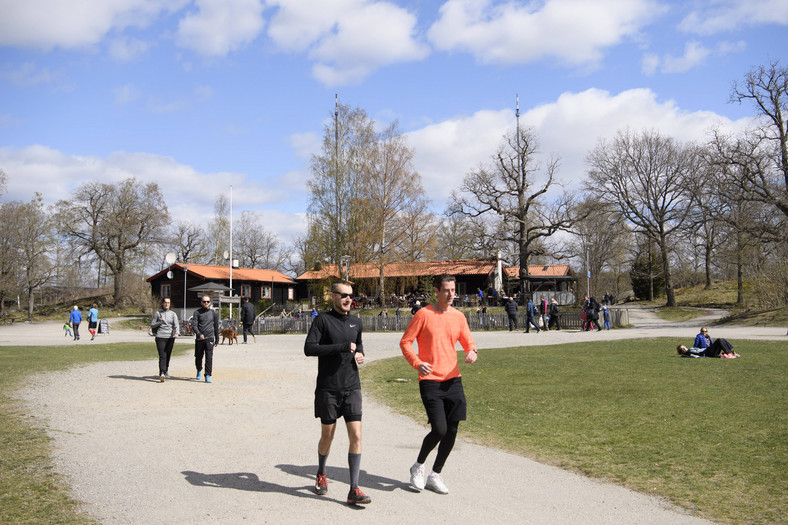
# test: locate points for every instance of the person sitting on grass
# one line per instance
(719, 348)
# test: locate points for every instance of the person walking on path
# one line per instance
(92, 321)
(335, 339)
(511, 313)
(74, 320)
(437, 329)
(544, 311)
(247, 318)
(555, 314)
(166, 328)
(206, 333)
(530, 312)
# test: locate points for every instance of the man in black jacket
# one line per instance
(511, 312)
(247, 318)
(206, 333)
(335, 339)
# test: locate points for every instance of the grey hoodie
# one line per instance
(167, 323)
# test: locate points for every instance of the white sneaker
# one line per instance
(435, 483)
(417, 476)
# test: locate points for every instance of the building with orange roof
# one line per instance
(185, 283)
(471, 275)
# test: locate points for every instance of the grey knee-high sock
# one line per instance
(354, 463)
(321, 463)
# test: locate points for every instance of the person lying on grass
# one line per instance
(719, 348)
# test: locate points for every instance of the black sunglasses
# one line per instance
(205, 302)
(343, 295)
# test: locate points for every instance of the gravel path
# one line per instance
(244, 448)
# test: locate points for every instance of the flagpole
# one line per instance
(231, 250)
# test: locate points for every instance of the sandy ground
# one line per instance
(243, 449)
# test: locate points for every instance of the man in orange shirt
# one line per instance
(437, 329)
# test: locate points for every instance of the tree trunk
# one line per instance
(29, 304)
(739, 271)
(663, 247)
(708, 267)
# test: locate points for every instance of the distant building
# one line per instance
(203, 279)
(471, 275)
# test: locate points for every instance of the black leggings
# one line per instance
(719, 346)
(442, 432)
(164, 346)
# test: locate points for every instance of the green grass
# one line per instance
(30, 490)
(710, 435)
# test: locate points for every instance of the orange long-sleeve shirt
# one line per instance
(436, 334)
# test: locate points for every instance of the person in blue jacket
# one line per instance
(74, 320)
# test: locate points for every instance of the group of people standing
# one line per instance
(592, 311)
(335, 338)
(548, 314)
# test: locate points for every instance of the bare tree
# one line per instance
(337, 220)
(10, 215)
(3, 181)
(189, 243)
(644, 176)
(255, 246)
(509, 187)
(391, 194)
(115, 221)
(766, 87)
(34, 237)
(219, 229)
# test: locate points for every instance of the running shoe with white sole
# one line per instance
(435, 483)
(417, 476)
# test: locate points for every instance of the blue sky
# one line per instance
(200, 94)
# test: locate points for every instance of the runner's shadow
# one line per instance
(151, 379)
(241, 481)
(342, 475)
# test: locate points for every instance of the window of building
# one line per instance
(290, 294)
(165, 290)
(265, 292)
(246, 290)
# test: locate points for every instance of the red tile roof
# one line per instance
(223, 273)
(539, 270)
(409, 269)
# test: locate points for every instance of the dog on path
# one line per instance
(229, 334)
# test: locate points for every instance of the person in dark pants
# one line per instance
(335, 339)
(555, 314)
(247, 318)
(206, 333)
(719, 348)
(74, 320)
(511, 313)
(436, 329)
(166, 329)
(530, 311)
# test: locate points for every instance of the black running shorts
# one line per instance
(330, 405)
(443, 399)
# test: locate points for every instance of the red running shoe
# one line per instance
(321, 485)
(356, 497)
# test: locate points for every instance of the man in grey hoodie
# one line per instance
(206, 332)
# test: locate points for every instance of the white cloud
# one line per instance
(694, 53)
(570, 128)
(348, 39)
(575, 31)
(730, 15)
(126, 93)
(29, 75)
(187, 191)
(220, 26)
(127, 49)
(45, 24)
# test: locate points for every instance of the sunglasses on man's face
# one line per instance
(206, 302)
(344, 295)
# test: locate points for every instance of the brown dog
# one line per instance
(229, 334)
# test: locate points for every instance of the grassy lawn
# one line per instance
(707, 434)
(30, 491)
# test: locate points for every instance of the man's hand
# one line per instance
(425, 369)
(202, 337)
(471, 356)
(352, 347)
(359, 358)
